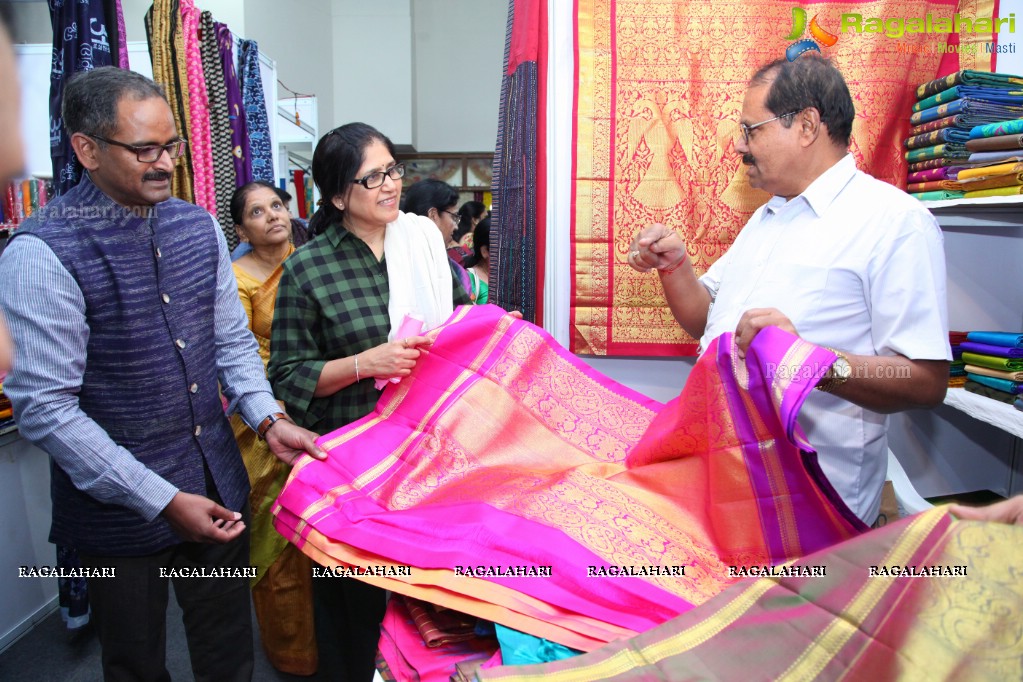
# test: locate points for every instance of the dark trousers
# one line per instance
(130, 611)
(347, 614)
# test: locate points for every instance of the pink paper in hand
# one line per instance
(410, 326)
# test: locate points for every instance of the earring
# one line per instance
(339, 205)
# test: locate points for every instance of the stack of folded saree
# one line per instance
(957, 368)
(999, 144)
(994, 364)
(522, 487)
(947, 111)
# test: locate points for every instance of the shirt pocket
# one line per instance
(796, 289)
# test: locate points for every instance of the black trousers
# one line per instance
(347, 614)
(130, 612)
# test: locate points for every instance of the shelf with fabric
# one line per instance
(953, 449)
(999, 212)
(1002, 415)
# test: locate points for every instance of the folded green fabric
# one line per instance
(991, 362)
(937, 195)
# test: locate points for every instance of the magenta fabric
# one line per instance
(653, 485)
(409, 658)
(933, 174)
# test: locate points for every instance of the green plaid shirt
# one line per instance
(331, 303)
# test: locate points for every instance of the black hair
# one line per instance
(480, 238)
(809, 82)
(242, 193)
(423, 195)
(91, 98)
(337, 159)
(469, 211)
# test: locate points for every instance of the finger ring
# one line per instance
(405, 343)
(634, 254)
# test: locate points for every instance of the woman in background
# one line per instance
(282, 589)
(469, 216)
(479, 272)
(341, 301)
(437, 200)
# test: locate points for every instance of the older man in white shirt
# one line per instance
(839, 258)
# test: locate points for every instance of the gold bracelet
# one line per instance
(357, 379)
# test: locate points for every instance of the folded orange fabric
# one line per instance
(993, 183)
(985, 172)
(934, 185)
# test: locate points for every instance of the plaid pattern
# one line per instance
(331, 303)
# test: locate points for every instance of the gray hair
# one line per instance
(91, 98)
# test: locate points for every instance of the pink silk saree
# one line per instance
(504, 450)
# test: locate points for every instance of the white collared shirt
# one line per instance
(858, 265)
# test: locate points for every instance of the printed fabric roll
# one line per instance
(949, 150)
(934, 185)
(992, 183)
(1011, 127)
(985, 172)
(957, 121)
(261, 154)
(968, 77)
(937, 137)
(932, 174)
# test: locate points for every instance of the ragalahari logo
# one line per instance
(819, 36)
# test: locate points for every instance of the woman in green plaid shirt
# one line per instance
(340, 302)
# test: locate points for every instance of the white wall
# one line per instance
(300, 41)
(458, 55)
(372, 54)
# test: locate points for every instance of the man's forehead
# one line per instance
(146, 113)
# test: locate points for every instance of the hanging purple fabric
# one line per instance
(122, 37)
(260, 151)
(239, 133)
(80, 43)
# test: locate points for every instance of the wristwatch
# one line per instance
(837, 374)
(268, 423)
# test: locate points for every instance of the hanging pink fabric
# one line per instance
(122, 38)
(199, 111)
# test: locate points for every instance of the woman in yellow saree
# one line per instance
(282, 589)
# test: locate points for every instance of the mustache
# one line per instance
(157, 175)
(748, 159)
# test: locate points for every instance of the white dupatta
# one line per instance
(418, 273)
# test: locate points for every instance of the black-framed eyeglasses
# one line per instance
(746, 130)
(148, 153)
(454, 216)
(376, 178)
